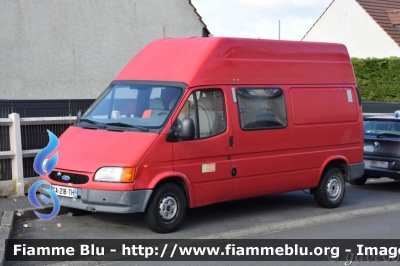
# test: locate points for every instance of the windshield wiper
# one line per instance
(388, 135)
(93, 122)
(119, 124)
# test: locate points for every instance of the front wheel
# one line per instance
(166, 208)
(331, 188)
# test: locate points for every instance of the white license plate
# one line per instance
(380, 164)
(65, 191)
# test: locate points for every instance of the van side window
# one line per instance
(207, 109)
(261, 108)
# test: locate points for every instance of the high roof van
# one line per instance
(194, 121)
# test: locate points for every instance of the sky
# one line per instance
(260, 18)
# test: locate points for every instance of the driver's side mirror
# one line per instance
(187, 129)
(186, 132)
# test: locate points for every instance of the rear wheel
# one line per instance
(360, 181)
(331, 188)
(166, 208)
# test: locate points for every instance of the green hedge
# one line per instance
(378, 78)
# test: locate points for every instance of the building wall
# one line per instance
(72, 49)
(345, 21)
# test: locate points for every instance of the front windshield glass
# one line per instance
(379, 127)
(135, 105)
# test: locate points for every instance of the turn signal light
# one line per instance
(128, 175)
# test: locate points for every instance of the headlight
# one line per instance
(115, 174)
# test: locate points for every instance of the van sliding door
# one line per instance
(262, 141)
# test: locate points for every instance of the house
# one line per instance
(369, 28)
(70, 49)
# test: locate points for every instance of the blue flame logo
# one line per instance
(34, 201)
(43, 167)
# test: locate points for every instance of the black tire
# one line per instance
(359, 181)
(166, 208)
(331, 188)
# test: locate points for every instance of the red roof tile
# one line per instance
(394, 16)
(384, 12)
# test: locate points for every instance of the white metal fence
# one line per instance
(19, 184)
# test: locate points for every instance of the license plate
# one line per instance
(65, 191)
(379, 164)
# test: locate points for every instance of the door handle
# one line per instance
(234, 171)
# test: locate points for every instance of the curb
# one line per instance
(6, 226)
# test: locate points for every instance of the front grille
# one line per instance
(73, 178)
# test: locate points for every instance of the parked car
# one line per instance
(381, 148)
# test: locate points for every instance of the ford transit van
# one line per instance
(194, 121)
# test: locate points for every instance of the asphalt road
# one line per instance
(369, 211)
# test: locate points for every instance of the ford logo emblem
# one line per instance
(65, 178)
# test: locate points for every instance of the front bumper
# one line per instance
(106, 201)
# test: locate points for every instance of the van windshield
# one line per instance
(139, 106)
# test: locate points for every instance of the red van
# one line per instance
(195, 121)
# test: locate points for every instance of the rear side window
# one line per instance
(261, 108)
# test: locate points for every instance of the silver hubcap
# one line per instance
(168, 208)
(333, 188)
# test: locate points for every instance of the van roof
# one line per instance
(210, 61)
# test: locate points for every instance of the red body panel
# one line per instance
(79, 146)
(84, 151)
(205, 61)
(324, 120)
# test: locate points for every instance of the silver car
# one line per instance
(381, 148)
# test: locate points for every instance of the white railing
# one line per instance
(19, 184)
